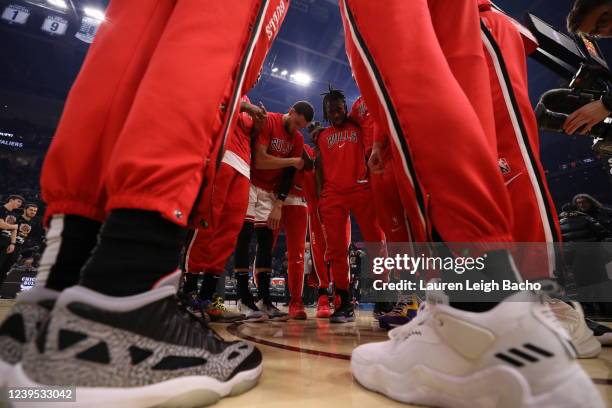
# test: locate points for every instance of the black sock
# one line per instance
(263, 286)
(242, 285)
(345, 297)
(135, 250)
(499, 266)
(79, 237)
(209, 286)
(190, 284)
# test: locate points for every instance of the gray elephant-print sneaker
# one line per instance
(145, 350)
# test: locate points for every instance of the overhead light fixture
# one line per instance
(58, 3)
(301, 78)
(275, 69)
(93, 13)
(285, 72)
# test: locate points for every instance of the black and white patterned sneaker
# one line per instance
(138, 351)
(30, 310)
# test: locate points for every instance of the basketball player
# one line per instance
(294, 220)
(384, 187)
(462, 350)
(385, 196)
(506, 45)
(279, 146)
(209, 248)
(140, 173)
(317, 239)
(345, 190)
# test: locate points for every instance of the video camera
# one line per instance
(578, 59)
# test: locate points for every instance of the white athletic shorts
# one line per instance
(261, 202)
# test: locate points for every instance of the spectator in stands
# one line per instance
(589, 205)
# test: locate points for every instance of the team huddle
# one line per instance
(292, 186)
(446, 150)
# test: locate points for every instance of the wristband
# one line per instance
(606, 100)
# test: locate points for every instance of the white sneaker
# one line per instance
(513, 356)
(272, 311)
(251, 311)
(573, 321)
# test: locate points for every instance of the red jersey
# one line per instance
(360, 115)
(240, 141)
(278, 143)
(342, 154)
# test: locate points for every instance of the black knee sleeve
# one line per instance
(265, 239)
(241, 254)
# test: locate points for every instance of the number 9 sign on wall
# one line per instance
(55, 25)
(14, 14)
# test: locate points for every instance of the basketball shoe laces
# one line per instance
(403, 332)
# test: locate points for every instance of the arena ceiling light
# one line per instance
(58, 3)
(301, 78)
(298, 78)
(93, 13)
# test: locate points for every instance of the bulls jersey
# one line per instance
(238, 148)
(278, 142)
(360, 115)
(342, 154)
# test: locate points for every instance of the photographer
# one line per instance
(593, 18)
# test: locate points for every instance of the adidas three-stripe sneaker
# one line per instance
(138, 351)
(513, 356)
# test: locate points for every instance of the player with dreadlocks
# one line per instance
(345, 190)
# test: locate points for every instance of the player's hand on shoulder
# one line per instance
(257, 113)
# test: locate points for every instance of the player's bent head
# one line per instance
(15, 200)
(593, 17)
(301, 114)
